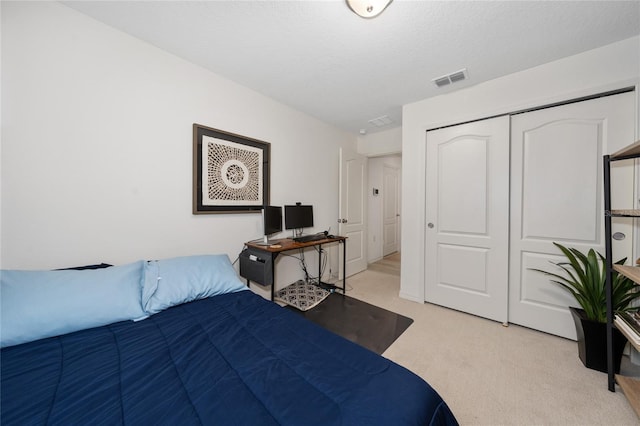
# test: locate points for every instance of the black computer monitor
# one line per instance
(298, 217)
(272, 216)
(271, 222)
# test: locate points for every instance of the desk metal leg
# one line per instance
(320, 265)
(344, 267)
(273, 275)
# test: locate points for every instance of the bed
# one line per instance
(192, 346)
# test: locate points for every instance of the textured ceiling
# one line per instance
(321, 58)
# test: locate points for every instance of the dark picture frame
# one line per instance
(231, 173)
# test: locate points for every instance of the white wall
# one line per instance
(376, 180)
(97, 147)
(385, 142)
(607, 68)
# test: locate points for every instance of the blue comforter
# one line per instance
(226, 360)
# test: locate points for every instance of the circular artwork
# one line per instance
(233, 173)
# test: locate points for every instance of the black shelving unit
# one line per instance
(630, 386)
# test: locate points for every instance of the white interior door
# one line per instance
(390, 210)
(556, 196)
(353, 210)
(467, 215)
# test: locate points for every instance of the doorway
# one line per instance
(384, 183)
(390, 210)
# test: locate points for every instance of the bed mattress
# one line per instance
(230, 359)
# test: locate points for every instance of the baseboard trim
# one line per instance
(410, 297)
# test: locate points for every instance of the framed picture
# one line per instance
(230, 172)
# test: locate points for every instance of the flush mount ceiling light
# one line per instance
(368, 8)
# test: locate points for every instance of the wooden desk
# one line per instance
(285, 244)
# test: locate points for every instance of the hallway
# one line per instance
(389, 264)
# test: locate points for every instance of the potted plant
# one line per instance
(585, 279)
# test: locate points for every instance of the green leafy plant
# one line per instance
(586, 281)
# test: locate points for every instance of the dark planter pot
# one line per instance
(592, 342)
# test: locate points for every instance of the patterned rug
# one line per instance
(301, 295)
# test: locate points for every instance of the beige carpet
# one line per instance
(388, 264)
(490, 374)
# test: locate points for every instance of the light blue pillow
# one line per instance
(179, 280)
(39, 304)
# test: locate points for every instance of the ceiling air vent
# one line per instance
(451, 78)
(458, 76)
(442, 81)
(381, 121)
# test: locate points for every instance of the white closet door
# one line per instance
(557, 196)
(467, 215)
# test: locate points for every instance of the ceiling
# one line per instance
(320, 58)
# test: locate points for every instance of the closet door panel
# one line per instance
(463, 156)
(467, 215)
(556, 169)
(557, 196)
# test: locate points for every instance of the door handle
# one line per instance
(430, 225)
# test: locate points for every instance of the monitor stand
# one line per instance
(265, 242)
